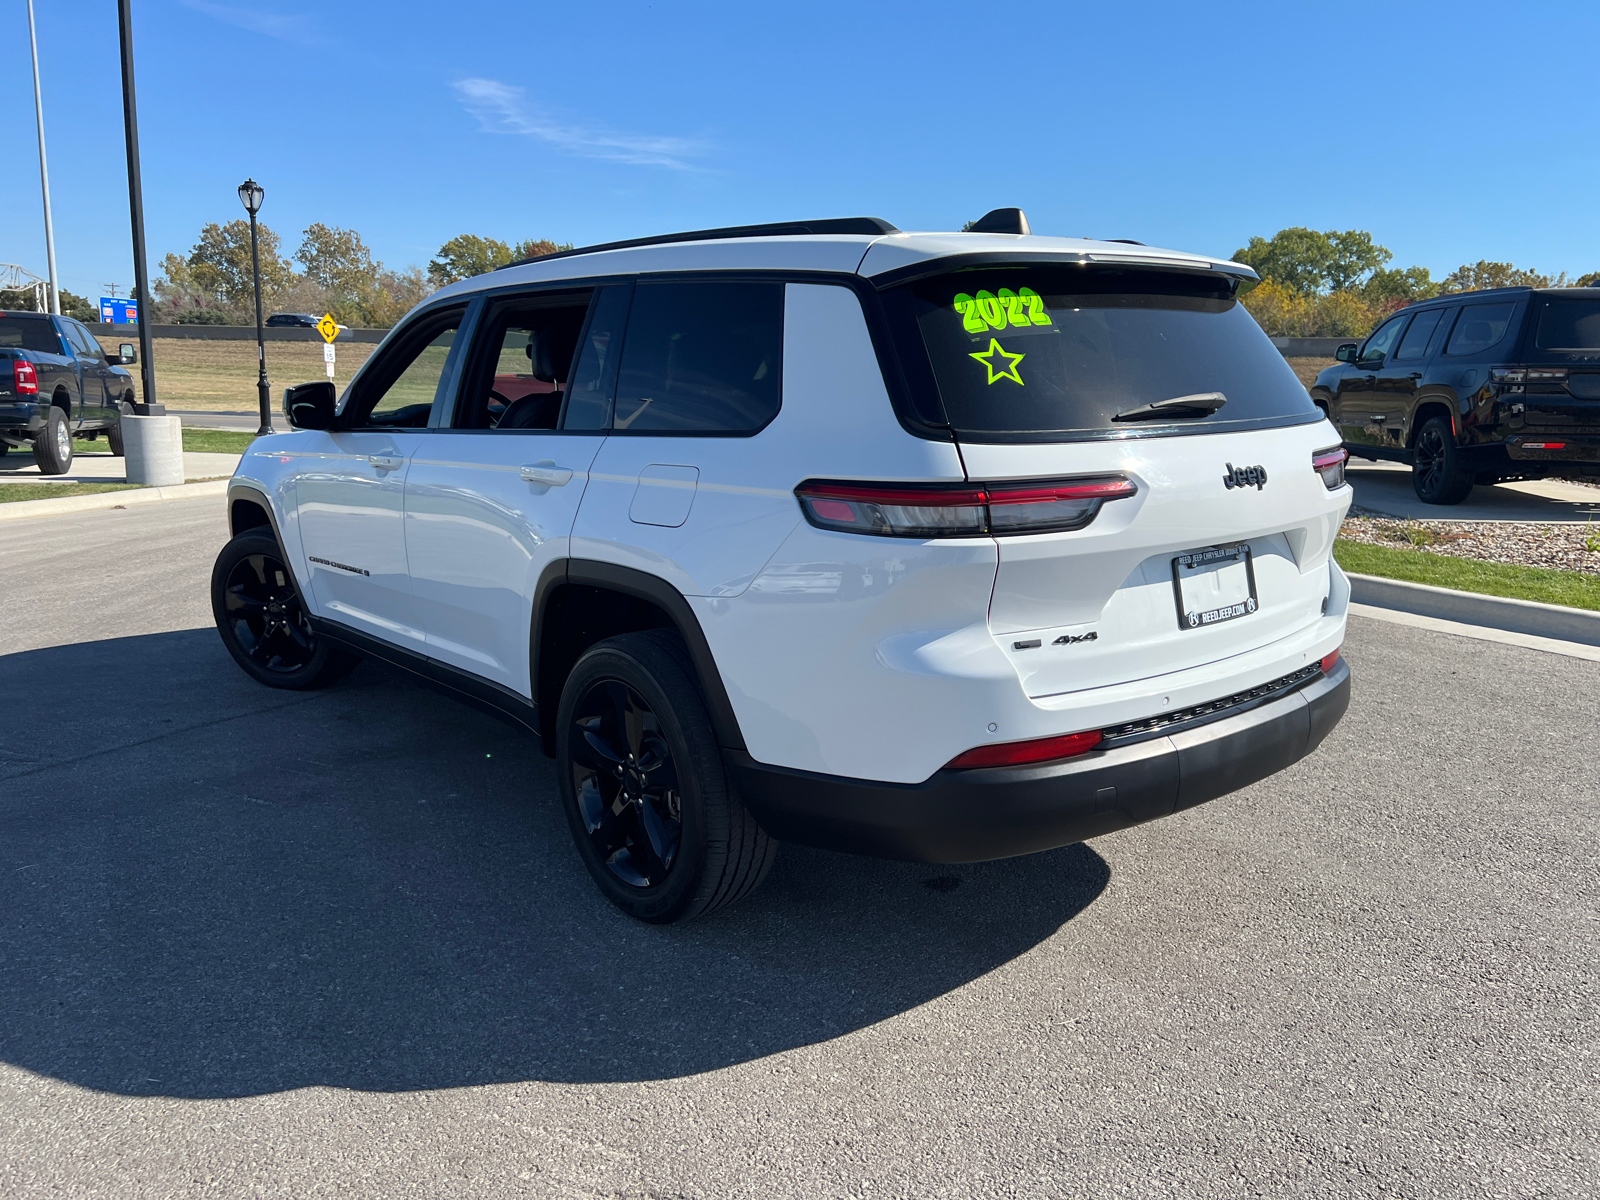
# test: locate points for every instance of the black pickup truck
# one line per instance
(56, 384)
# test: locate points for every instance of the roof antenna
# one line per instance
(1001, 220)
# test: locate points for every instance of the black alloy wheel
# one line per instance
(262, 621)
(1435, 474)
(642, 782)
(626, 784)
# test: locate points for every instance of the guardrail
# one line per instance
(1310, 347)
(233, 333)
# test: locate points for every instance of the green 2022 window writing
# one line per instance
(1020, 309)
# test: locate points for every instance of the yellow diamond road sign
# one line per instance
(328, 327)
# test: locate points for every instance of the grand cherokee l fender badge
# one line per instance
(328, 562)
(1068, 639)
(1239, 477)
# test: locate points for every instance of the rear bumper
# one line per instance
(975, 815)
(24, 416)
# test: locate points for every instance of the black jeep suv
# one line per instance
(1477, 387)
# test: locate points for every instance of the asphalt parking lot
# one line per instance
(268, 944)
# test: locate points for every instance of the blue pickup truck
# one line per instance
(56, 384)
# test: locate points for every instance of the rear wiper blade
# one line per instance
(1201, 404)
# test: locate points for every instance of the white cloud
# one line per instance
(287, 27)
(501, 108)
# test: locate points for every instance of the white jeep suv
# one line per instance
(942, 547)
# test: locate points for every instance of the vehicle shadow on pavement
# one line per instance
(211, 889)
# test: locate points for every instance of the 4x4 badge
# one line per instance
(1238, 477)
(1067, 639)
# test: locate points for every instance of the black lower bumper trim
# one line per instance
(975, 815)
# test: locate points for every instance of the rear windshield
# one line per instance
(29, 333)
(1569, 325)
(1046, 352)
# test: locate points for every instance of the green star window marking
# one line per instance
(1010, 360)
(1020, 309)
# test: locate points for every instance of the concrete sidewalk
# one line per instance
(19, 467)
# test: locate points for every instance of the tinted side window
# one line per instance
(594, 376)
(1414, 346)
(81, 340)
(524, 355)
(1383, 341)
(701, 358)
(1479, 327)
(399, 390)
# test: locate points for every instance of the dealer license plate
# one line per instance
(1214, 585)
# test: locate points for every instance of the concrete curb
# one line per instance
(1494, 612)
(18, 509)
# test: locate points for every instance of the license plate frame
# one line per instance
(1208, 562)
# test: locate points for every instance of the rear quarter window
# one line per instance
(1042, 352)
(701, 357)
(29, 333)
(1479, 327)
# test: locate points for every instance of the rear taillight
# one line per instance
(967, 510)
(27, 378)
(1330, 661)
(1330, 465)
(1547, 374)
(1015, 754)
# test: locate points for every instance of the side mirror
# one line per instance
(310, 405)
(127, 355)
(1347, 352)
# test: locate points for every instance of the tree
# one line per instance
(1472, 277)
(1296, 259)
(1387, 285)
(465, 256)
(468, 255)
(220, 264)
(72, 304)
(537, 248)
(1308, 262)
(337, 259)
(1355, 255)
(1592, 279)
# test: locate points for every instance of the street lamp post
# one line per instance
(250, 195)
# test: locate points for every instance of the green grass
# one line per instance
(49, 491)
(216, 441)
(1570, 588)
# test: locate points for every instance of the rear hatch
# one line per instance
(1051, 372)
(1559, 380)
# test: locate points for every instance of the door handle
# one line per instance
(546, 473)
(386, 462)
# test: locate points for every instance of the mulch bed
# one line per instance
(1519, 543)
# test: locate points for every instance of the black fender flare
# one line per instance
(651, 588)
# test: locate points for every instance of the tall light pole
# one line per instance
(251, 194)
(44, 170)
(141, 278)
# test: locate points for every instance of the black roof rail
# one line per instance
(871, 226)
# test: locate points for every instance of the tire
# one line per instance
(1436, 472)
(632, 729)
(114, 433)
(52, 449)
(262, 621)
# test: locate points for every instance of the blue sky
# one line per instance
(1452, 132)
